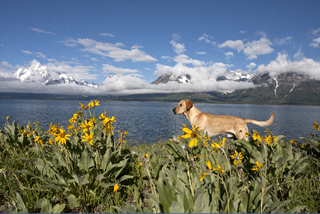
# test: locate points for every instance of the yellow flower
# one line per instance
(237, 157)
(216, 145)
(88, 138)
(259, 165)
(102, 116)
(95, 103)
(146, 155)
(140, 164)
(209, 164)
(315, 125)
(293, 141)
(311, 134)
(256, 136)
(247, 134)
(202, 175)
(86, 126)
(218, 169)
(38, 140)
(51, 141)
(62, 137)
(36, 123)
(83, 106)
(303, 145)
(191, 134)
(116, 188)
(25, 133)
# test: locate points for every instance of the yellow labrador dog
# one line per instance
(216, 125)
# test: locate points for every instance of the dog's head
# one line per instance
(183, 106)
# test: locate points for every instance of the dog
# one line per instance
(215, 125)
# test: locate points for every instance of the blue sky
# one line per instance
(91, 40)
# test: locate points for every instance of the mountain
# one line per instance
(165, 78)
(42, 74)
(229, 75)
(285, 88)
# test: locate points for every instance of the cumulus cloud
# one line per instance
(114, 51)
(177, 47)
(283, 64)
(237, 44)
(259, 47)
(251, 65)
(250, 49)
(201, 53)
(42, 31)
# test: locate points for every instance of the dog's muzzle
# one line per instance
(174, 110)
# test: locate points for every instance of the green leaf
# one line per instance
(80, 179)
(86, 161)
(20, 204)
(58, 208)
(297, 209)
(105, 159)
(72, 201)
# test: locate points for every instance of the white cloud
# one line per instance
(42, 31)
(283, 41)
(207, 39)
(110, 50)
(316, 42)
(26, 52)
(201, 53)
(283, 64)
(251, 65)
(94, 59)
(106, 34)
(41, 55)
(229, 55)
(259, 47)
(77, 71)
(242, 31)
(184, 59)
(177, 47)
(237, 44)
(111, 69)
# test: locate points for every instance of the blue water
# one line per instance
(150, 122)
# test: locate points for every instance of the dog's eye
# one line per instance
(180, 104)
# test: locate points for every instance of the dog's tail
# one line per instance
(261, 123)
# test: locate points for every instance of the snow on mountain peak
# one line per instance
(42, 74)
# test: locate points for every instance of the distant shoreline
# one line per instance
(202, 97)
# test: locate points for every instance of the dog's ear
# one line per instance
(189, 104)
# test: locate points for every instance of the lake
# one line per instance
(149, 122)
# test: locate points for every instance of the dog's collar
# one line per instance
(187, 110)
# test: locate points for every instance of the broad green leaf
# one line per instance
(86, 161)
(72, 201)
(58, 208)
(105, 159)
(20, 204)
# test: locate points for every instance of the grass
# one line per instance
(41, 173)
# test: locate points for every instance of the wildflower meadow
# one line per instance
(88, 166)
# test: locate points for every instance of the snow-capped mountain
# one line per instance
(229, 75)
(42, 74)
(172, 77)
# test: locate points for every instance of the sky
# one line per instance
(141, 40)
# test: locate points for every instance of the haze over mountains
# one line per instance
(226, 86)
